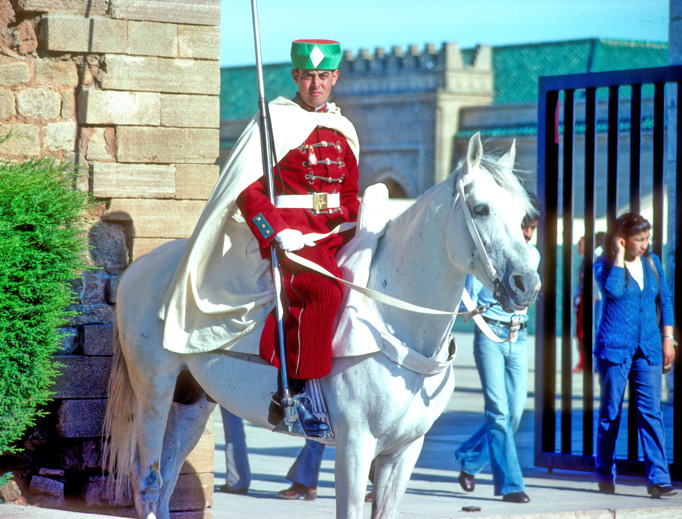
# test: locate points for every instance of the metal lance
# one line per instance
(290, 423)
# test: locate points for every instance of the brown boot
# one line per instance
(298, 491)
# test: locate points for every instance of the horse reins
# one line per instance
(473, 312)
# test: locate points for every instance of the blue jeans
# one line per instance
(646, 380)
(238, 472)
(503, 369)
(306, 468)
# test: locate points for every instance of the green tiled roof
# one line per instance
(518, 67)
(239, 88)
(516, 70)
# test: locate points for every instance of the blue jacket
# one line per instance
(629, 315)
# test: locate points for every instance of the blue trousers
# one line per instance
(646, 380)
(306, 468)
(238, 472)
(503, 369)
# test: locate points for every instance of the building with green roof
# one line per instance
(414, 109)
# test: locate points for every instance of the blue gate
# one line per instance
(612, 112)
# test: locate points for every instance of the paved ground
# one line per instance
(433, 492)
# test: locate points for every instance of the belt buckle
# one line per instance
(319, 202)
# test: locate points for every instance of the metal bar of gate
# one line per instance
(635, 147)
(566, 338)
(659, 159)
(545, 358)
(590, 164)
(677, 410)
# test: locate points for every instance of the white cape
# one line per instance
(222, 288)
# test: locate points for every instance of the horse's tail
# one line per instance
(119, 451)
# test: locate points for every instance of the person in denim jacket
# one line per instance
(631, 345)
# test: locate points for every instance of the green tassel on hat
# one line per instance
(316, 54)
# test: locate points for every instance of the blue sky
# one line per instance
(385, 23)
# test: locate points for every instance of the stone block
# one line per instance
(119, 108)
(81, 455)
(14, 73)
(60, 136)
(54, 473)
(112, 288)
(108, 246)
(88, 314)
(39, 102)
(195, 181)
(202, 457)
(190, 111)
(25, 141)
(192, 492)
(133, 181)
(151, 74)
(192, 514)
(156, 218)
(69, 105)
(82, 418)
(96, 494)
(201, 12)
(82, 377)
(41, 485)
(78, 7)
(99, 143)
(144, 245)
(51, 72)
(7, 104)
(69, 341)
(92, 286)
(167, 145)
(9, 492)
(98, 339)
(153, 39)
(199, 42)
(62, 33)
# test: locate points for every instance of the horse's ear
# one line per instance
(475, 152)
(508, 158)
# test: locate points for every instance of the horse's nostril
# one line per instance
(518, 281)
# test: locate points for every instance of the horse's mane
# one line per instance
(509, 180)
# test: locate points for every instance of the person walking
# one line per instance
(503, 369)
(237, 469)
(304, 473)
(632, 344)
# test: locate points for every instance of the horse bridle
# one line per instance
(491, 273)
(474, 312)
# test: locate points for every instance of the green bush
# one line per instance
(42, 248)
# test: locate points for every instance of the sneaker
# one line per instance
(298, 491)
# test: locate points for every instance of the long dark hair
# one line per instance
(626, 225)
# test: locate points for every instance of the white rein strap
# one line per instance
(404, 305)
(378, 296)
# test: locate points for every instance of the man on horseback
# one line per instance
(316, 186)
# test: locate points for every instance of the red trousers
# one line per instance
(311, 302)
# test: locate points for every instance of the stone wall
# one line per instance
(128, 90)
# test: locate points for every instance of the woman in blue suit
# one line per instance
(630, 343)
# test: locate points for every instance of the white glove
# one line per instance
(291, 240)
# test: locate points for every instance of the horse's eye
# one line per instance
(481, 210)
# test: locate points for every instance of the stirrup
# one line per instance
(312, 425)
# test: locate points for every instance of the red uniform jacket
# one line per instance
(312, 300)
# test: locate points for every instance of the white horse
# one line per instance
(379, 409)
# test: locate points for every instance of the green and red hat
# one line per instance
(316, 54)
